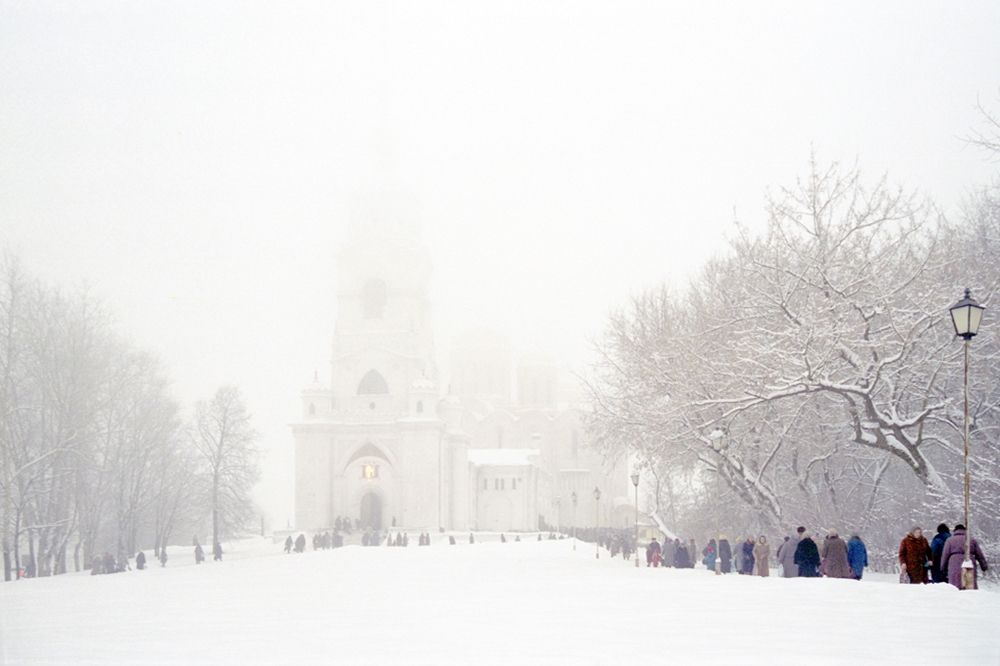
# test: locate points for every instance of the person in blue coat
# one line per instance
(937, 547)
(857, 556)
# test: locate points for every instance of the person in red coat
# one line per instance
(954, 554)
(915, 555)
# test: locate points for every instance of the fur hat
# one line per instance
(833, 533)
(801, 530)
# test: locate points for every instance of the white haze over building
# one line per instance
(193, 163)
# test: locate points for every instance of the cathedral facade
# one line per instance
(384, 445)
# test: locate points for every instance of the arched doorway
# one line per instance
(371, 511)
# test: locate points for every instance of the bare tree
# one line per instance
(227, 443)
(820, 347)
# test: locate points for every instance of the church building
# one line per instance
(384, 445)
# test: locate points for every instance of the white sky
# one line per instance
(192, 161)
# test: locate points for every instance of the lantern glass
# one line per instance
(597, 494)
(635, 479)
(966, 315)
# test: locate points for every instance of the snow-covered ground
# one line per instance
(490, 603)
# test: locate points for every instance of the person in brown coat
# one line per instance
(761, 553)
(915, 555)
(834, 554)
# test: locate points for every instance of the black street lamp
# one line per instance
(597, 519)
(635, 482)
(966, 315)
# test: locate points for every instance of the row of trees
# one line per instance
(95, 455)
(812, 373)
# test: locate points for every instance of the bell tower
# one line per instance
(383, 339)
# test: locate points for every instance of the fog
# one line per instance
(192, 164)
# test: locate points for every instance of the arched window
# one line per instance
(373, 384)
(420, 406)
(373, 296)
(312, 409)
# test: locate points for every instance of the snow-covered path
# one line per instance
(491, 603)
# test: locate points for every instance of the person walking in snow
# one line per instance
(807, 556)
(649, 554)
(915, 556)
(709, 559)
(681, 558)
(217, 551)
(288, 544)
(747, 563)
(761, 553)
(140, 561)
(300, 543)
(163, 556)
(725, 554)
(786, 556)
(938, 574)
(834, 556)
(857, 556)
(954, 554)
(199, 554)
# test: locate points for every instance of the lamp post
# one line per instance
(635, 482)
(597, 520)
(558, 514)
(573, 497)
(718, 439)
(966, 315)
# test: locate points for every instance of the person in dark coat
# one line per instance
(857, 556)
(747, 562)
(163, 556)
(954, 554)
(288, 544)
(217, 551)
(140, 561)
(199, 554)
(725, 554)
(300, 543)
(915, 556)
(652, 554)
(939, 574)
(807, 557)
(681, 558)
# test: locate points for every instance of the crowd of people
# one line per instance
(801, 555)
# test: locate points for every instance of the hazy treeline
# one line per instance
(811, 375)
(95, 455)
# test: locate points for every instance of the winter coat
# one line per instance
(938, 574)
(747, 563)
(914, 553)
(709, 560)
(669, 550)
(761, 551)
(835, 557)
(726, 554)
(807, 558)
(681, 559)
(954, 554)
(857, 556)
(300, 543)
(786, 557)
(140, 561)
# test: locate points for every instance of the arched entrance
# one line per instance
(371, 511)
